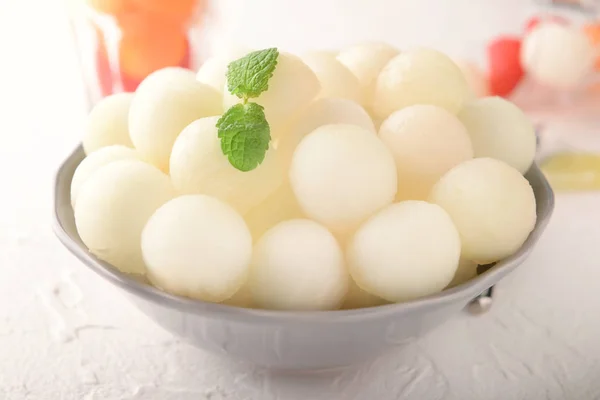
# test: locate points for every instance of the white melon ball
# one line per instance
(291, 89)
(165, 103)
(107, 123)
(198, 165)
(405, 251)
(426, 141)
(359, 298)
(94, 162)
(326, 111)
(421, 76)
(213, 71)
(241, 298)
(466, 271)
(499, 129)
(476, 78)
(280, 206)
(298, 265)
(335, 78)
(341, 174)
(113, 206)
(557, 55)
(492, 205)
(366, 60)
(197, 246)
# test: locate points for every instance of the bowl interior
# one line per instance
(66, 231)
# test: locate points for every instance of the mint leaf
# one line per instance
(249, 76)
(243, 129)
(245, 135)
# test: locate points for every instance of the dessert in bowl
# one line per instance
(301, 228)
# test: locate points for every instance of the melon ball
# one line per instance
(198, 165)
(107, 123)
(499, 129)
(335, 78)
(197, 246)
(476, 78)
(358, 298)
(366, 60)
(298, 265)
(492, 205)
(113, 206)
(213, 71)
(165, 103)
(421, 76)
(94, 162)
(280, 206)
(241, 298)
(426, 141)
(291, 89)
(466, 271)
(342, 174)
(405, 251)
(325, 111)
(557, 55)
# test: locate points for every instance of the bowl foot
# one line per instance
(482, 303)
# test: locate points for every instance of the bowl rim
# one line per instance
(461, 292)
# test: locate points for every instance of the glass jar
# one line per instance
(120, 42)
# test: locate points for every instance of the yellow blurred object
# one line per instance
(573, 171)
(111, 7)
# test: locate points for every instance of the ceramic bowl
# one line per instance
(292, 340)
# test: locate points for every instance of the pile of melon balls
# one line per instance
(385, 180)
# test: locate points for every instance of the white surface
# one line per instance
(67, 335)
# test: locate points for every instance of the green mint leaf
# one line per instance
(245, 135)
(249, 76)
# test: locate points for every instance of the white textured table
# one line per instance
(66, 334)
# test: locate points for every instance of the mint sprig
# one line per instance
(243, 129)
(249, 76)
(245, 135)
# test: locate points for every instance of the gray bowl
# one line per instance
(292, 340)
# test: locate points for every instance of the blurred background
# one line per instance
(62, 56)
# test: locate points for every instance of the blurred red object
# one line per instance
(534, 21)
(504, 62)
(103, 70)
